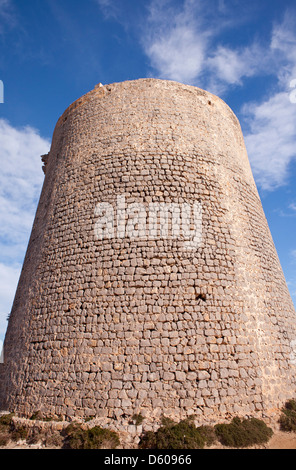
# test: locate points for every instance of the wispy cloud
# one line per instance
(9, 276)
(182, 43)
(21, 179)
(175, 40)
(289, 212)
(20, 182)
(176, 48)
(271, 141)
(109, 8)
(283, 46)
(231, 66)
(7, 15)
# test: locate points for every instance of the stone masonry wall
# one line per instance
(119, 326)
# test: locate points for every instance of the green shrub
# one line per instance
(4, 435)
(19, 433)
(288, 417)
(243, 433)
(6, 420)
(208, 433)
(74, 436)
(37, 415)
(53, 440)
(182, 435)
(4, 438)
(5, 428)
(94, 438)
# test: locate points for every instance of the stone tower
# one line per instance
(117, 312)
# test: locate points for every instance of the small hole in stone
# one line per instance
(209, 102)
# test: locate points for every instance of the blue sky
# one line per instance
(54, 51)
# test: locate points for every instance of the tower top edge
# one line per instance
(101, 89)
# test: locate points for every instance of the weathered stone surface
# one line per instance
(122, 325)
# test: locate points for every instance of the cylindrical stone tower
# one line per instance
(151, 283)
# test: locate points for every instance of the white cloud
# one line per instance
(175, 41)
(271, 142)
(178, 54)
(283, 46)
(9, 276)
(183, 45)
(227, 64)
(181, 42)
(231, 65)
(21, 179)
